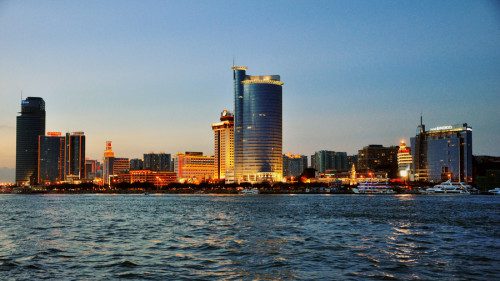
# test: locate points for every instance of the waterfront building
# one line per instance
(157, 162)
(224, 145)
(91, 167)
(120, 165)
(136, 164)
(442, 153)
(51, 154)
(193, 167)
(159, 179)
(373, 158)
(108, 160)
(404, 160)
(75, 156)
(30, 124)
(258, 127)
(294, 165)
(324, 160)
(352, 160)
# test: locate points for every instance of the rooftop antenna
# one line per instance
(233, 61)
(422, 128)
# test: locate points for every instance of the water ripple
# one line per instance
(308, 237)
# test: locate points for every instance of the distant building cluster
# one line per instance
(248, 147)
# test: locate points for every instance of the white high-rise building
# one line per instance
(224, 147)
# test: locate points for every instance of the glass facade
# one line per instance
(443, 153)
(51, 159)
(258, 127)
(30, 125)
(75, 155)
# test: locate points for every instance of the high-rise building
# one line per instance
(91, 167)
(108, 161)
(352, 160)
(294, 165)
(324, 160)
(51, 158)
(258, 130)
(376, 157)
(121, 165)
(75, 156)
(136, 164)
(404, 159)
(30, 125)
(158, 162)
(193, 167)
(224, 145)
(442, 153)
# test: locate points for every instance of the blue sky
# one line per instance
(154, 75)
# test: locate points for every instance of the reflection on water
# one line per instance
(207, 237)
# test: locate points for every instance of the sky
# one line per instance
(154, 75)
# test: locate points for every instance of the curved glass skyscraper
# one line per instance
(258, 126)
(30, 125)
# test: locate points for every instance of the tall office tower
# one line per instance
(108, 161)
(30, 125)
(404, 159)
(136, 164)
(224, 145)
(75, 156)
(375, 157)
(158, 162)
(294, 165)
(258, 127)
(51, 158)
(442, 153)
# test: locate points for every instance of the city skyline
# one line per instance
(363, 74)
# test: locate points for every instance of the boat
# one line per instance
(449, 187)
(250, 191)
(373, 188)
(495, 191)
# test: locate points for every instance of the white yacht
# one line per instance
(373, 188)
(449, 187)
(495, 191)
(250, 191)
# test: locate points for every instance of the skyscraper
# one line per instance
(108, 161)
(224, 144)
(442, 153)
(75, 156)
(30, 125)
(51, 158)
(258, 139)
